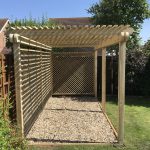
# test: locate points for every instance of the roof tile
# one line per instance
(73, 21)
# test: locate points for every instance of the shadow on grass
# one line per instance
(131, 100)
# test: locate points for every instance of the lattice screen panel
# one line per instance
(73, 73)
(36, 67)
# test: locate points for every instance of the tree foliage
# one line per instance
(146, 47)
(135, 67)
(146, 73)
(146, 79)
(133, 13)
(43, 21)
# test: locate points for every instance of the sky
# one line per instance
(13, 9)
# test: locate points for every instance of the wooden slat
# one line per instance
(36, 67)
(70, 36)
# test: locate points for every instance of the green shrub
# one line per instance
(30, 21)
(10, 137)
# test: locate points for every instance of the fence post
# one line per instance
(95, 73)
(18, 85)
(121, 89)
(104, 79)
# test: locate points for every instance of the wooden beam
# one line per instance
(104, 79)
(48, 145)
(27, 41)
(113, 39)
(95, 73)
(102, 36)
(18, 86)
(70, 45)
(110, 41)
(110, 123)
(121, 90)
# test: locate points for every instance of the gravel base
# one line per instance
(71, 119)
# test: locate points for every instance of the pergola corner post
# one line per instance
(104, 79)
(121, 90)
(18, 83)
(95, 73)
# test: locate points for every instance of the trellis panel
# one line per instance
(36, 85)
(73, 73)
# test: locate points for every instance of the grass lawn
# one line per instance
(137, 125)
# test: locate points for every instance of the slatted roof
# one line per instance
(75, 36)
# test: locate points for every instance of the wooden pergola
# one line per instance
(97, 37)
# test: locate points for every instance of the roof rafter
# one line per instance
(75, 36)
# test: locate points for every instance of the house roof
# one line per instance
(3, 23)
(75, 36)
(72, 21)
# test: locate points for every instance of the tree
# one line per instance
(145, 84)
(133, 13)
(135, 68)
(146, 74)
(146, 47)
(33, 22)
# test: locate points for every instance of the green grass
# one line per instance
(137, 121)
(137, 125)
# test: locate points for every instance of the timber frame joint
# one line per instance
(125, 36)
(14, 38)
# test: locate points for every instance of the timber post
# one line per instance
(104, 79)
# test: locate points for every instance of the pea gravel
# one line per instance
(71, 119)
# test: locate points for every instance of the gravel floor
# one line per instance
(70, 119)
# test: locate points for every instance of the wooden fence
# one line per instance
(43, 73)
(34, 81)
(4, 76)
(73, 73)
(111, 75)
(7, 84)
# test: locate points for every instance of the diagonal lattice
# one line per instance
(73, 73)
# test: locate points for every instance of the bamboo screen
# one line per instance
(36, 68)
(73, 73)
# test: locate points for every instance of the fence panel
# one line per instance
(36, 69)
(73, 73)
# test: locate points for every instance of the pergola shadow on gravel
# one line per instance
(33, 56)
